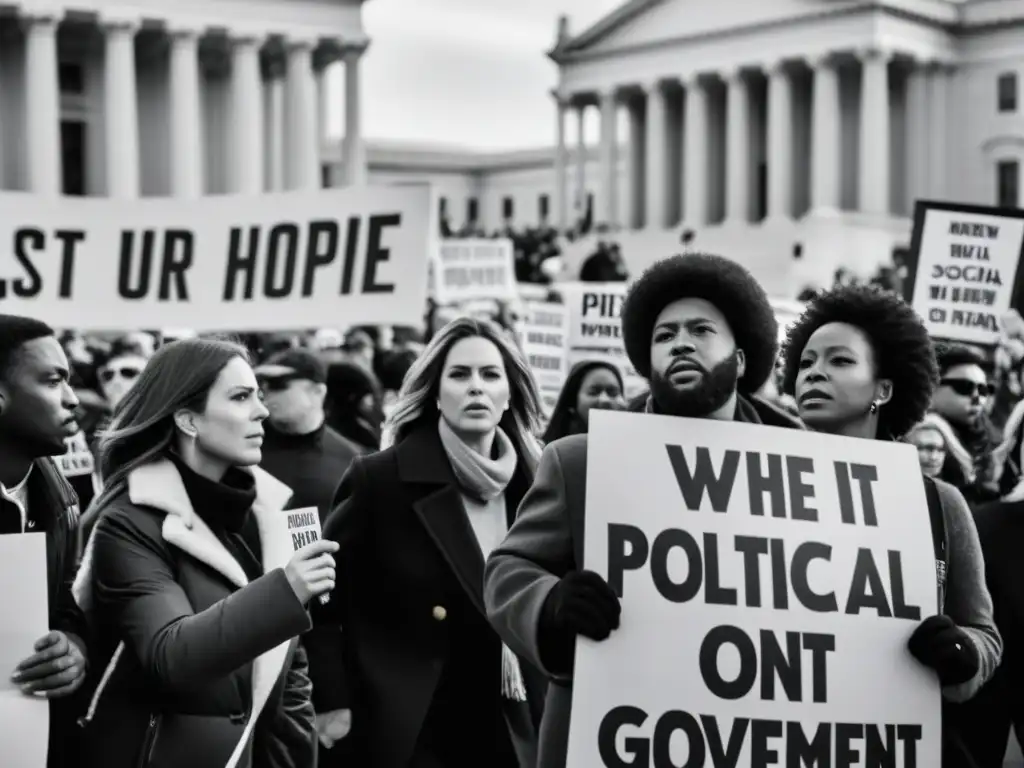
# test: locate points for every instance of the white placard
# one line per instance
(278, 261)
(474, 269)
(544, 340)
(594, 315)
(24, 720)
(77, 460)
(595, 328)
(967, 261)
(758, 615)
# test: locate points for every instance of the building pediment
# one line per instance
(648, 23)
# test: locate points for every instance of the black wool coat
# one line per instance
(404, 641)
(191, 658)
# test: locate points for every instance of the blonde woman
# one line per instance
(418, 674)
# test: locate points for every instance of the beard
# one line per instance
(701, 399)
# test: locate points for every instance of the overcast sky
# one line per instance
(469, 73)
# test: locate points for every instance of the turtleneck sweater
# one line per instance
(226, 507)
(312, 464)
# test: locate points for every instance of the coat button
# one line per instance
(440, 613)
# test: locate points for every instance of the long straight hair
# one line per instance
(417, 399)
(180, 375)
(564, 419)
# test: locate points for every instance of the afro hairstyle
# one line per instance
(903, 351)
(16, 331)
(723, 283)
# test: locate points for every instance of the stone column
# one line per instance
(561, 106)
(737, 152)
(42, 106)
(609, 156)
(247, 117)
(873, 160)
(635, 164)
(780, 142)
(186, 127)
(916, 136)
(938, 125)
(302, 157)
(355, 153)
(825, 136)
(323, 97)
(121, 120)
(274, 131)
(657, 167)
(581, 162)
(695, 153)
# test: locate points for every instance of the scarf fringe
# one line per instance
(512, 686)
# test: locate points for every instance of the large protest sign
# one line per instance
(769, 581)
(474, 269)
(963, 269)
(595, 327)
(24, 719)
(545, 343)
(270, 262)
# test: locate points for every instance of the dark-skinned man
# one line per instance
(37, 408)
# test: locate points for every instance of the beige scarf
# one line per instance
(486, 479)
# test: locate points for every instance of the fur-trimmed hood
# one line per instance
(158, 485)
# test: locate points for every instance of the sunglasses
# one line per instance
(108, 374)
(967, 388)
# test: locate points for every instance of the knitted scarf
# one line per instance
(486, 479)
(482, 478)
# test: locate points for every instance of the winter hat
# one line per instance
(723, 283)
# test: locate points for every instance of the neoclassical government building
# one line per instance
(185, 98)
(792, 135)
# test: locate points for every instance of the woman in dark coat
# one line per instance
(403, 650)
(191, 580)
(860, 364)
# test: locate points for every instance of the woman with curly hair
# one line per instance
(860, 364)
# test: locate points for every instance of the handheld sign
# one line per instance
(544, 344)
(24, 719)
(277, 261)
(963, 267)
(474, 269)
(595, 328)
(304, 528)
(769, 581)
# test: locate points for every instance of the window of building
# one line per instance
(507, 208)
(1008, 184)
(1007, 92)
(71, 77)
(472, 210)
(545, 208)
(72, 154)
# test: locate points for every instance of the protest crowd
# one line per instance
(408, 544)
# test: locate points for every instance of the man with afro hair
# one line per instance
(701, 330)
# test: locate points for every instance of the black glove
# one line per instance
(581, 603)
(940, 644)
